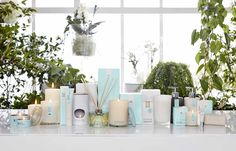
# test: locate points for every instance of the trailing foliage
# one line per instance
(26, 61)
(216, 56)
(168, 74)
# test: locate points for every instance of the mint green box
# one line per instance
(179, 115)
(135, 102)
(108, 86)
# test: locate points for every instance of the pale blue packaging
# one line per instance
(24, 123)
(135, 103)
(14, 120)
(108, 86)
(180, 115)
(205, 106)
(64, 93)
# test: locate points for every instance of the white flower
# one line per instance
(83, 11)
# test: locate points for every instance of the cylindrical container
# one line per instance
(83, 88)
(118, 113)
(24, 121)
(191, 103)
(148, 99)
(80, 109)
(162, 109)
(192, 118)
(31, 107)
(50, 112)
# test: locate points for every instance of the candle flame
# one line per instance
(52, 84)
(50, 101)
(35, 102)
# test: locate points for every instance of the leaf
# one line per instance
(194, 37)
(204, 84)
(199, 57)
(200, 68)
(204, 33)
(217, 82)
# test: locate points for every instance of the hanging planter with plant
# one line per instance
(83, 43)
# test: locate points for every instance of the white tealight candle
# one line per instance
(32, 106)
(118, 113)
(192, 118)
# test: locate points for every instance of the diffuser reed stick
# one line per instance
(89, 93)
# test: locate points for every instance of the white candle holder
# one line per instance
(80, 109)
(162, 109)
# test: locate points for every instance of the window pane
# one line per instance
(101, 3)
(180, 3)
(177, 39)
(108, 47)
(54, 3)
(141, 3)
(138, 29)
(51, 25)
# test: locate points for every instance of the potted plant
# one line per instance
(216, 57)
(165, 75)
(83, 44)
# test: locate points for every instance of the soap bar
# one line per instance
(215, 119)
(108, 86)
(205, 106)
(180, 115)
(135, 103)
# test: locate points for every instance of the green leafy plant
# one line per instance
(80, 22)
(26, 59)
(216, 56)
(169, 74)
(61, 74)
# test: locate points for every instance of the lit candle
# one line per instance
(50, 113)
(192, 118)
(32, 106)
(118, 113)
(53, 94)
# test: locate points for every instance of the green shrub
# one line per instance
(168, 74)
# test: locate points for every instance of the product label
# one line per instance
(176, 102)
(50, 109)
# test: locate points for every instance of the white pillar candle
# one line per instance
(118, 113)
(32, 106)
(192, 118)
(162, 109)
(50, 112)
(53, 94)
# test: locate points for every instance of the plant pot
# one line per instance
(83, 45)
(133, 87)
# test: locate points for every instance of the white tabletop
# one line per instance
(140, 138)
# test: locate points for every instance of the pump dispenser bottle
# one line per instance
(176, 101)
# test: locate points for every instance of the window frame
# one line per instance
(160, 10)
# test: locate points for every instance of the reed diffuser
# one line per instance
(98, 118)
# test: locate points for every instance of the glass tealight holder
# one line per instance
(98, 119)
